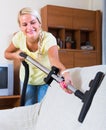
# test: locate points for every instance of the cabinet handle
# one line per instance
(86, 52)
(63, 51)
(84, 29)
(60, 26)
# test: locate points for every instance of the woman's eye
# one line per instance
(33, 22)
(24, 24)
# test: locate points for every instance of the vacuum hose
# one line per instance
(23, 95)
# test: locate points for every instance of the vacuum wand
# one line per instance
(52, 74)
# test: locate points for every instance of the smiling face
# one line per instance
(30, 26)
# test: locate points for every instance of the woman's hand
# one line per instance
(17, 55)
(67, 81)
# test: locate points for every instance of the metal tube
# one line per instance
(37, 64)
(47, 71)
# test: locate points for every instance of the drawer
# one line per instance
(86, 58)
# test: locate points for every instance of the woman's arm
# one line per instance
(12, 53)
(55, 61)
(54, 58)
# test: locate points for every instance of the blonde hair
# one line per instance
(28, 10)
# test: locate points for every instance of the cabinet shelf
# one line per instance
(79, 37)
(10, 97)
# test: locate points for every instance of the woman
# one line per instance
(41, 46)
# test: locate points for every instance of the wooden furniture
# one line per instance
(84, 29)
(7, 102)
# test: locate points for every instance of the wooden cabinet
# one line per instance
(82, 26)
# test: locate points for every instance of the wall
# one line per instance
(9, 10)
(101, 4)
(95, 4)
(104, 33)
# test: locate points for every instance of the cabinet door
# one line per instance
(85, 58)
(83, 19)
(60, 21)
(59, 17)
(66, 57)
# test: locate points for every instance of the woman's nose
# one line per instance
(29, 26)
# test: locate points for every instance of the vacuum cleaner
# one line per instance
(53, 74)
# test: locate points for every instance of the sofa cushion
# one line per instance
(60, 110)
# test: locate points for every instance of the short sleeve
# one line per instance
(49, 41)
(18, 39)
